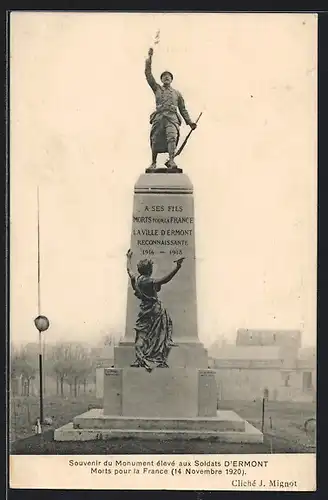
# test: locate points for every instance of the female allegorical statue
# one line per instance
(154, 325)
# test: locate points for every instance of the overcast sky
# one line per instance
(80, 110)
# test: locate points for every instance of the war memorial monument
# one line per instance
(161, 386)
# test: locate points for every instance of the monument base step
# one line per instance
(95, 419)
(228, 433)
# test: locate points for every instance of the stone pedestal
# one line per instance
(179, 402)
(163, 229)
(173, 392)
(100, 369)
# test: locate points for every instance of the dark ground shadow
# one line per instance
(44, 444)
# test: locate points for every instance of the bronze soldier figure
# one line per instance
(165, 121)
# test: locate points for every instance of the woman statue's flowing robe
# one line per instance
(153, 325)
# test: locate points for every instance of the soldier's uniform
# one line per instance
(165, 121)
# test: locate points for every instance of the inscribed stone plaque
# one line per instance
(164, 392)
(112, 391)
(207, 393)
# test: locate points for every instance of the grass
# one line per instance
(284, 422)
(283, 432)
(25, 410)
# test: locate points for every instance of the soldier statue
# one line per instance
(165, 120)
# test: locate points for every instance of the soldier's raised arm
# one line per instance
(149, 75)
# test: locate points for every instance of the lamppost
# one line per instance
(42, 324)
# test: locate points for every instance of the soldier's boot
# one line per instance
(171, 149)
(153, 161)
(171, 165)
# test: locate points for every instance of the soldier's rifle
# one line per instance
(187, 138)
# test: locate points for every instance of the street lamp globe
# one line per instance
(42, 323)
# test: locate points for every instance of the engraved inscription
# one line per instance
(110, 371)
(166, 233)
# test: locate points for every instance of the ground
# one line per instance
(283, 432)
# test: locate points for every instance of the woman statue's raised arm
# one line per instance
(128, 263)
(168, 277)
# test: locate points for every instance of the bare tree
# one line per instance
(73, 365)
(61, 364)
(23, 366)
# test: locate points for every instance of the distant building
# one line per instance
(269, 337)
(266, 359)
